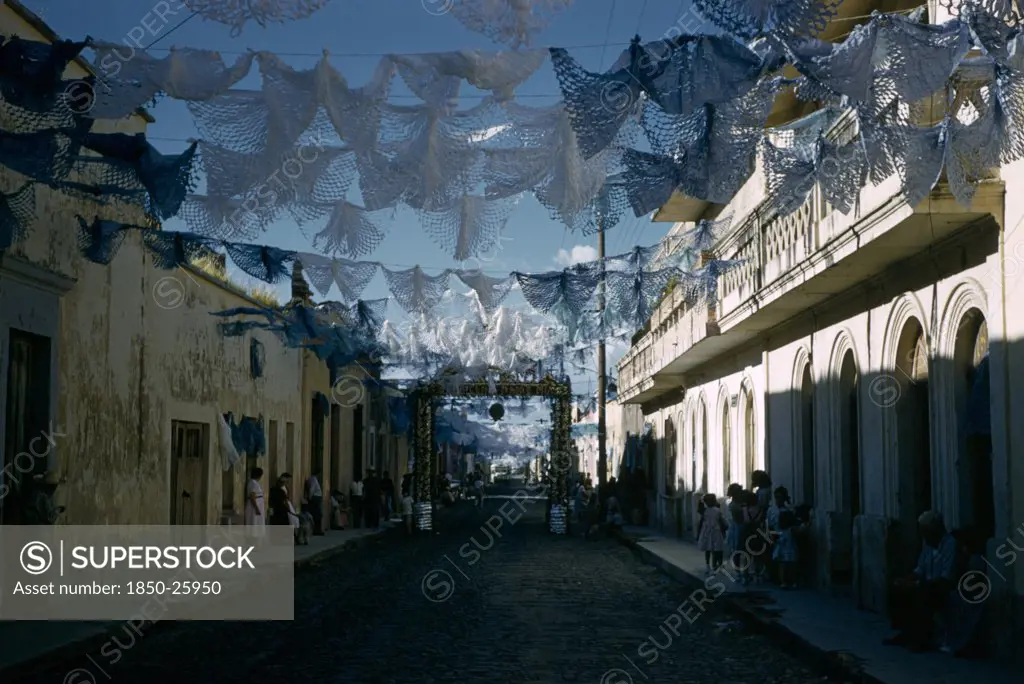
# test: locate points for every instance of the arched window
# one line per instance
(974, 425)
(670, 457)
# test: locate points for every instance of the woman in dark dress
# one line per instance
(279, 501)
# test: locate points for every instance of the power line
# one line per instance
(640, 21)
(608, 33)
(172, 30)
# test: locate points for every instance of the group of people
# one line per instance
(596, 510)
(759, 527)
(372, 498)
(281, 509)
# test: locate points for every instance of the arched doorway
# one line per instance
(975, 487)
(841, 552)
(726, 446)
(807, 437)
(693, 448)
(704, 449)
(749, 435)
(913, 441)
(670, 457)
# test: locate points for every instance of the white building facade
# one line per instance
(872, 363)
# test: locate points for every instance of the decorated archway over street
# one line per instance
(425, 398)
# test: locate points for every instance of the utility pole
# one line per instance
(602, 380)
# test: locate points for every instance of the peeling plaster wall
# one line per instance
(190, 372)
(136, 349)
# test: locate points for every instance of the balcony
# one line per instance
(790, 264)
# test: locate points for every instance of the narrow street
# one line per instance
(525, 607)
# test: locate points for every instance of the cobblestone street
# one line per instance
(468, 605)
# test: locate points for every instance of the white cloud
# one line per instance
(578, 255)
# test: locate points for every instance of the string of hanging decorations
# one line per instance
(633, 280)
(512, 22)
(686, 115)
(699, 103)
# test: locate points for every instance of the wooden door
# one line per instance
(188, 473)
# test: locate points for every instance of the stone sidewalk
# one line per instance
(821, 624)
(23, 642)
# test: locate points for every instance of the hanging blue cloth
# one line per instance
(16, 213)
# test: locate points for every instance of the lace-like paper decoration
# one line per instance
(598, 105)
(701, 286)
(840, 172)
(566, 293)
(351, 277)
(16, 213)
(100, 241)
(414, 290)
(714, 148)
(499, 72)
(470, 228)
(130, 79)
(491, 292)
(311, 172)
(237, 13)
(350, 231)
(701, 238)
(226, 218)
(689, 72)
(368, 316)
(510, 22)
(548, 162)
(172, 249)
(292, 104)
(751, 18)
(130, 161)
(31, 73)
(889, 57)
(426, 158)
(635, 260)
(650, 180)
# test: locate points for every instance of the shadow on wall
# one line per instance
(869, 452)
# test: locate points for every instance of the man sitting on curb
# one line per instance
(916, 600)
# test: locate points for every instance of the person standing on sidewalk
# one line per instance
(356, 492)
(280, 506)
(371, 499)
(711, 535)
(314, 497)
(255, 519)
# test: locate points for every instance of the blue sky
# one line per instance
(356, 32)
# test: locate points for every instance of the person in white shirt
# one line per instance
(356, 490)
(314, 498)
(255, 518)
(407, 512)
